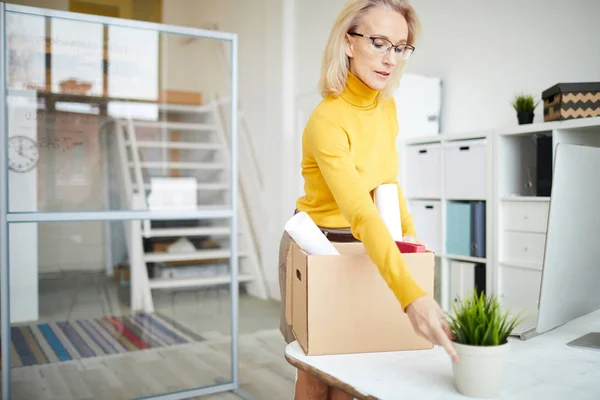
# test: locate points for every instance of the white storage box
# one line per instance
(465, 170)
(173, 193)
(422, 171)
(428, 223)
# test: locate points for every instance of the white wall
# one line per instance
(198, 65)
(258, 24)
(513, 46)
(485, 52)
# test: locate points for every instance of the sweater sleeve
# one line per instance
(330, 147)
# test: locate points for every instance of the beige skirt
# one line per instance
(335, 235)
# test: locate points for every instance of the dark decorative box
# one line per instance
(571, 100)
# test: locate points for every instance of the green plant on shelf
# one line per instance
(524, 103)
(479, 320)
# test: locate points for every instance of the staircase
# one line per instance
(183, 142)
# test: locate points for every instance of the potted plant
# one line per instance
(524, 105)
(480, 331)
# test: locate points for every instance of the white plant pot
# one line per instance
(480, 370)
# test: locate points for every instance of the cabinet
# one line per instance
(519, 287)
(445, 180)
(523, 231)
(523, 162)
(508, 171)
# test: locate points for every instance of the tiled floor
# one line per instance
(264, 373)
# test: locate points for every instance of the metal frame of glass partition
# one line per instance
(7, 217)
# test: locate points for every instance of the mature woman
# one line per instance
(349, 148)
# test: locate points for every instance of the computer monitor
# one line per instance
(571, 271)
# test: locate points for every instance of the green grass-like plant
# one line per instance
(479, 321)
(524, 103)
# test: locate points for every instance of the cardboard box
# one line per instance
(180, 97)
(340, 304)
(565, 101)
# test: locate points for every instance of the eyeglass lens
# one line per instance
(382, 46)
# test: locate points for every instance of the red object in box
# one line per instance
(406, 247)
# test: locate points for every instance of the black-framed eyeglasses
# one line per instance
(381, 46)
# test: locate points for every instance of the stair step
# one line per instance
(180, 165)
(184, 108)
(199, 231)
(210, 254)
(205, 207)
(172, 125)
(175, 145)
(201, 186)
(167, 283)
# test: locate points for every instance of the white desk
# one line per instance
(543, 367)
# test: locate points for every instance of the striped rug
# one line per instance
(47, 343)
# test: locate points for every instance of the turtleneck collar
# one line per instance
(358, 93)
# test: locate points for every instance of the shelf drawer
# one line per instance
(428, 222)
(519, 288)
(521, 247)
(424, 164)
(525, 216)
(465, 169)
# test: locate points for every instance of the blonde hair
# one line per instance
(334, 70)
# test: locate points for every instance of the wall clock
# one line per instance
(23, 153)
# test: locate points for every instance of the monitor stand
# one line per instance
(589, 341)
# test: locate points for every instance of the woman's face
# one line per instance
(368, 59)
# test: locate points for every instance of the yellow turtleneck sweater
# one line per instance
(349, 148)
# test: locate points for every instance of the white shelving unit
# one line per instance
(438, 170)
(497, 167)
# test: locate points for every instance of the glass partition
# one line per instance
(90, 101)
(118, 207)
(75, 327)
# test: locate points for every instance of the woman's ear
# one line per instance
(348, 46)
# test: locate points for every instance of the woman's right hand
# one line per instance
(428, 321)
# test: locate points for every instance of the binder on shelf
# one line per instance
(466, 277)
(478, 229)
(458, 228)
(480, 278)
(544, 166)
